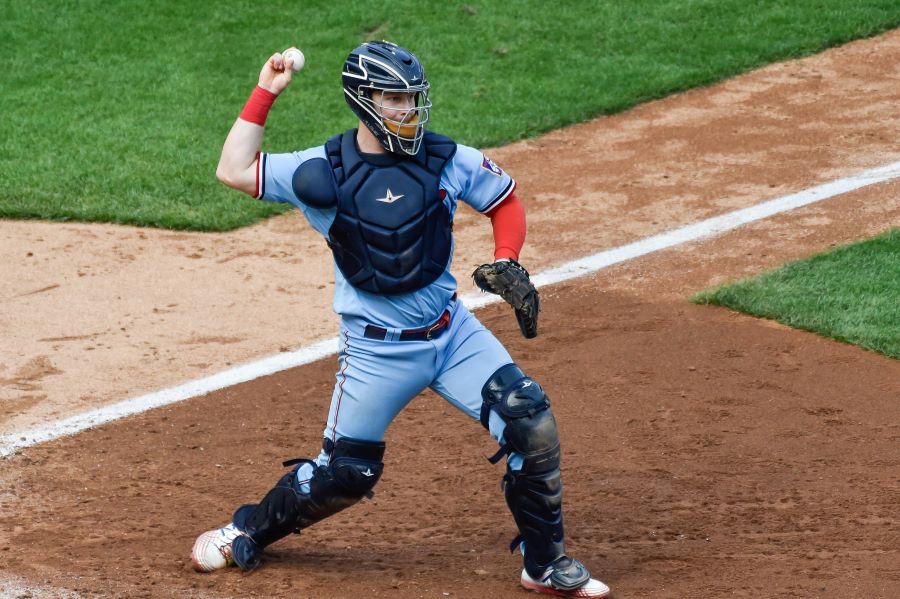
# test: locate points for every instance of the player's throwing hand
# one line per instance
(276, 74)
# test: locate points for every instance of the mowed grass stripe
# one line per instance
(851, 294)
(117, 112)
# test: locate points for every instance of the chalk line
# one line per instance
(9, 443)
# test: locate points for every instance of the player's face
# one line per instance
(397, 110)
(395, 105)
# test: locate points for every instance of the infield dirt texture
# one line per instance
(705, 453)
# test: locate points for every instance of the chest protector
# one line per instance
(392, 232)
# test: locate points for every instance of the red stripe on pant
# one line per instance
(337, 408)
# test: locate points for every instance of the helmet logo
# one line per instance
(390, 198)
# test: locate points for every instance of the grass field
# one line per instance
(117, 114)
(850, 294)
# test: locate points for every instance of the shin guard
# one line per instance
(353, 469)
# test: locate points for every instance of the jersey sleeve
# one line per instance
(476, 180)
(275, 173)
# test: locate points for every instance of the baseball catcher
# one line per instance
(383, 197)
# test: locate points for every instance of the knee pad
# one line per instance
(530, 426)
(353, 469)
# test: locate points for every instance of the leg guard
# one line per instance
(534, 493)
(353, 470)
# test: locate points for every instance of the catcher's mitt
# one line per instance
(510, 280)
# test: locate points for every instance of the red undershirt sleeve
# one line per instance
(508, 222)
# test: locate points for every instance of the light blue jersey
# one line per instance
(378, 377)
(469, 176)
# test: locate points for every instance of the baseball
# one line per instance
(206, 556)
(297, 56)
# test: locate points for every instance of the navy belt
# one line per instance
(428, 333)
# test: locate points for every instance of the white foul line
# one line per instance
(9, 443)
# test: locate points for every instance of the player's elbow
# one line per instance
(223, 175)
(241, 181)
(233, 179)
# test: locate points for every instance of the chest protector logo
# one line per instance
(392, 232)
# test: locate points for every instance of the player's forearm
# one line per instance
(508, 221)
(237, 164)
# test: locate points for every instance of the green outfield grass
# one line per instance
(116, 111)
(850, 294)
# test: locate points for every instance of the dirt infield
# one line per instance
(705, 453)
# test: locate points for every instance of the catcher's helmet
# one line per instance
(385, 66)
